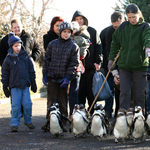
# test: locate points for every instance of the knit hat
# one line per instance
(65, 25)
(75, 25)
(13, 39)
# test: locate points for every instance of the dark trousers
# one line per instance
(109, 101)
(138, 79)
(57, 94)
(74, 93)
(117, 94)
(85, 88)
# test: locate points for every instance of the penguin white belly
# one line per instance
(96, 127)
(54, 125)
(79, 125)
(139, 130)
(129, 120)
(121, 129)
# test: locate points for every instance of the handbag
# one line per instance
(98, 80)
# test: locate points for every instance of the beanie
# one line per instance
(65, 25)
(13, 39)
(75, 25)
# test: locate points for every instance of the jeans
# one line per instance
(109, 101)
(73, 93)
(20, 97)
(148, 95)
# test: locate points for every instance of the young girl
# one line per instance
(60, 65)
(132, 39)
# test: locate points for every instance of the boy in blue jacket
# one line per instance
(18, 74)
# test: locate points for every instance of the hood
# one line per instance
(79, 13)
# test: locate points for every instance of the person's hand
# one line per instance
(6, 91)
(33, 86)
(110, 62)
(147, 52)
(65, 82)
(117, 79)
(45, 79)
(97, 66)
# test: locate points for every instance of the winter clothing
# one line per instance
(131, 40)
(65, 25)
(59, 52)
(18, 74)
(45, 79)
(6, 91)
(31, 47)
(60, 65)
(48, 38)
(85, 90)
(75, 25)
(132, 55)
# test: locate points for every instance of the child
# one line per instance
(60, 65)
(81, 37)
(18, 74)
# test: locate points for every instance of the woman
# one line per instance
(132, 39)
(53, 33)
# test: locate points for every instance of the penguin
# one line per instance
(137, 111)
(147, 125)
(138, 129)
(98, 125)
(80, 121)
(120, 126)
(129, 116)
(55, 123)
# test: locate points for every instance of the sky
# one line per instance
(97, 12)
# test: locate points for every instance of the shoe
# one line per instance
(45, 127)
(108, 114)
(14, 129)
(30, 125)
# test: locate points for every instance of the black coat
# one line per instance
(48, 38)
(17, 71)
(95, 48)
(61, 58)
(31, 47)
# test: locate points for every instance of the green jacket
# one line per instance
(132, 41)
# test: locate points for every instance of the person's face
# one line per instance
(65, 34)
(133, 18)
(56, 27)
(74, 31)
(116, 24)
(16, 28)
(16, 48)
(80, 20)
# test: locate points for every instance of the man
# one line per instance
(106, 37)
(91, 62)
(29, 42)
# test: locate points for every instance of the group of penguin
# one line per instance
(129, 124)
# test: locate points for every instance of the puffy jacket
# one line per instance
(31, 47)
(61, 58)
(132, 41)
(17, 71)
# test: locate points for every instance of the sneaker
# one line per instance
(30, 125)
(14, 129)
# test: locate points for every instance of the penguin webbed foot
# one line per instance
(116, 140)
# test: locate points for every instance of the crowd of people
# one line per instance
(74, 51)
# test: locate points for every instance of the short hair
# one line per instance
(15, 21)
(116, 16)
(54, 20)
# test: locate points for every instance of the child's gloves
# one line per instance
(45, 79)
(6, 91)
(65, 82)
(33, 86)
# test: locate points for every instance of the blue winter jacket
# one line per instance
(17, 70)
